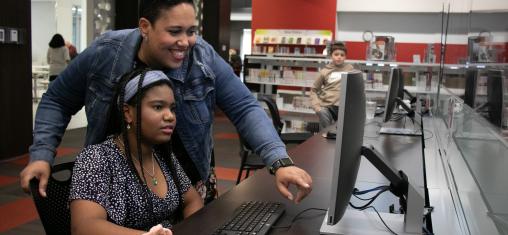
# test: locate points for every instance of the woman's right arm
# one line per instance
(64, 98)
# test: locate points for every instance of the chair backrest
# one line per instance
(54, 209)
(274, 112)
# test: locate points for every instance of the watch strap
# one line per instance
(283, 162)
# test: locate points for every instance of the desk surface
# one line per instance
(316, 157)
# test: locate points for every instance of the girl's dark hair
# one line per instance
(151, 9)
(338, 46)
(57, 41)
(118, 126)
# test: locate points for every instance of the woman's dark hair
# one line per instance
(151, 9)
(57, 41)
(338, 46)
(118, 126)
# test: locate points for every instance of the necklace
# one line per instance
(152, 174)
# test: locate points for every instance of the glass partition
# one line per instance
(473, 118)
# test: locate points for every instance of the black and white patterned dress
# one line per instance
(101, 174)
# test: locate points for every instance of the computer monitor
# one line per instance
(395, 92)
(394, 98)
(401, 91)
(493, 108)
(348, 151)
(495, 96)
(349, 140)
(470, 87)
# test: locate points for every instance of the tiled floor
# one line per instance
(17, 211)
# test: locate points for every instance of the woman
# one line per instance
(132, 182)
(165, 39)
(57, 56)
(324, 93)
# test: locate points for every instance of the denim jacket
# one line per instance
(90, 79)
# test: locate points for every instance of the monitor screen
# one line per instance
(400, 89)
(394, 90)
(470, 87)
(495, 96)
(350, 127)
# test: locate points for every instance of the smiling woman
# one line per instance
(167, 40)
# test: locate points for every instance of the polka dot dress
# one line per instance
(102, 175)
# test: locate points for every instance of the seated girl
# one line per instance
(132, 182)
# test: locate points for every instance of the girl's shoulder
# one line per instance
(99, 153)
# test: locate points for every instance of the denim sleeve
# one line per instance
(64, 98)
(247, 115)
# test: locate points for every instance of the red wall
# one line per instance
(321, 14)
(294, 14)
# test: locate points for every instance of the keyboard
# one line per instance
(252, 218)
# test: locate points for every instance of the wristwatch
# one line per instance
(283, 162)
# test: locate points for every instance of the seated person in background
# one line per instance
(324, 93)
(132, 182)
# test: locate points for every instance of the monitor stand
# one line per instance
(365, 222)
(391, 128)
(398, 128)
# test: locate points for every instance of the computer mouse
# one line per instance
(331, 134)
(379, 111)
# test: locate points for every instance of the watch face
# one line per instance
(286, 162)
(280, 163)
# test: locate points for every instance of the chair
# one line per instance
(287, 138)
(252, 161)
(249, 160)
(54, 209)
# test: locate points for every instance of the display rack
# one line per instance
(285, 42)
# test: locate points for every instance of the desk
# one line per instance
(316, 157)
